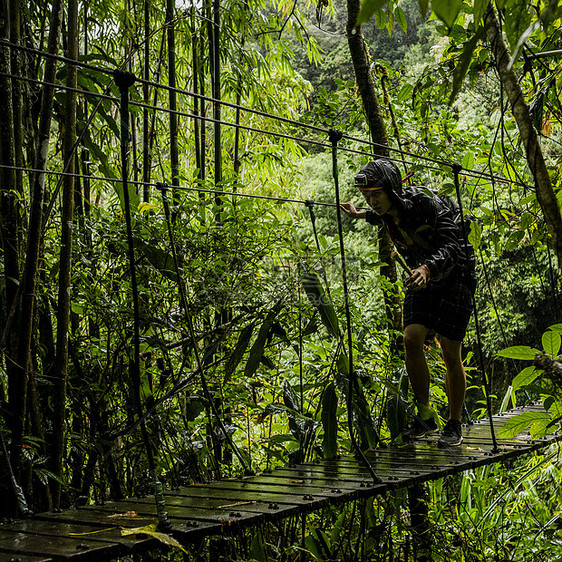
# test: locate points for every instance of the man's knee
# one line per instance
(414, 337)
(451, 350)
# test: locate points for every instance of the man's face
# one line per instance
(378, 200)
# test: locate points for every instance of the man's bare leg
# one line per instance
(455, 378)
(416, 363)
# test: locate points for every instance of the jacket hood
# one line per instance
(384, 173)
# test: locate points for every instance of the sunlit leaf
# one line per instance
(475, 235)
(368, 9)
(400, 17)
(551, 341)
(523, 352)
(479, 9)
(518, 424)
(514, 240)
(151, 531)
(446, 10)
(525, 377)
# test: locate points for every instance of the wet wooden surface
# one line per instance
(94, 532)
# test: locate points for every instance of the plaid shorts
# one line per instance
(444, 308)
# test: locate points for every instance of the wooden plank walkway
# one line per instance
(94, 532)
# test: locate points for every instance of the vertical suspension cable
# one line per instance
(124, 80)
(198, 364)
(495, 449)
(335, 136)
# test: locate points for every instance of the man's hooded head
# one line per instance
(380, 174)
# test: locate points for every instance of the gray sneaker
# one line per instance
(419, 428)
(451, 435)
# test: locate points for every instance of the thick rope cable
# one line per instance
(335, 136)
(457, 168)
(191, 330)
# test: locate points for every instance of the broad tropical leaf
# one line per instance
(446, 10)
(317, 296)
(525, 377)
(551, 341)
(239, 350)
(523, 352)
(151, 531)
(520, 423)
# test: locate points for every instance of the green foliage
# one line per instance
(281, 385)
(549, 388)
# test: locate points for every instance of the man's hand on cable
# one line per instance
(351, 211)
(418, 279)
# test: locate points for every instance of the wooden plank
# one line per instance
(58, 547)
(176, 514)
(270, 511)
(112, 535)
(100, 517)
(6, 557)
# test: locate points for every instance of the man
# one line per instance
(439, 288)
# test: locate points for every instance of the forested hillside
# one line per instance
(172, 302)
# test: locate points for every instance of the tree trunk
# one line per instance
(9, 223)
(60, 371)
(520, 110)
(146, 160)
(18, 383)
(11, 219)
(365, 84)
(174, 152)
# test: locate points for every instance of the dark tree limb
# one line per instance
(520, 109)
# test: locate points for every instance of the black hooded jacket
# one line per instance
(427, 234)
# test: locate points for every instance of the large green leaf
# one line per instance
(396, 404)
(525, 377)
(330, 421)
(317, 296)
(522, 352)
(401, 20)
(256, 351)
(151, 531)
(446, 10)
(163, 261)
(462, 67)
(475, 235)
(368, 9)
(361, 410)
(551, 341)
(424, 5)
(239, 350)
(518, 424)
(479, 10)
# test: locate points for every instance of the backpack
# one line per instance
(464, 226)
